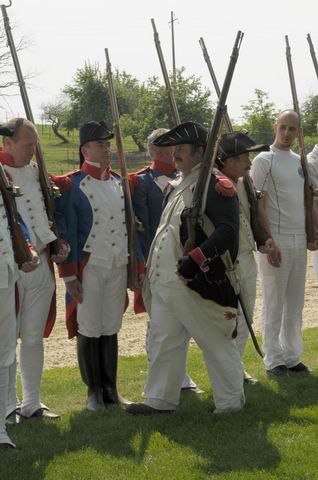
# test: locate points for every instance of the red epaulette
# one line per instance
(133, 178)
(224, 186)
(63, 182)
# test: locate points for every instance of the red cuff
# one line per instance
(68, 270)
(200, 259)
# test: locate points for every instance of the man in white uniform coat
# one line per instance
(197, 301)
(36, 289)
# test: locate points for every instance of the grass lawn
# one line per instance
(274, 437)
(61, 158)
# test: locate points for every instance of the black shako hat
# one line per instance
(186, 133)
(237, 143)
(93, 131)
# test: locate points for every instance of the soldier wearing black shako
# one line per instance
(191, 295)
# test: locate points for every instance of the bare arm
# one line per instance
(274, 255)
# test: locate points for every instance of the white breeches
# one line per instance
(104, 295)
(283, 300)
(8, 324)
(7, 351)
(248, 275)
(4, 385)
(35, 294)
(178, 313)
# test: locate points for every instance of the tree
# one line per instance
(7, 72)
(259, 117)
(56, 114)
(309, 113)
(87, 97)
(152, 109)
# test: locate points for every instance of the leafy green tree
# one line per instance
(152, 109)
(309, 113)
(259, 117)
(87, 97)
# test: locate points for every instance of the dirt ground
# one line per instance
(60, 351)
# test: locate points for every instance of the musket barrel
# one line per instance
(50, 192)
(130, 216)
(313, 54)
(310, 219)
(215, 82)
(210, 151)
(173, 105)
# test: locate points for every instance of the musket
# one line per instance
(49, 190)
(172, 102)
(313, 54)
(251, 194)
(310, 218)
(21, 250)
(133, 283)
(194, 211)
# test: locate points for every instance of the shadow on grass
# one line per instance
(210, 444)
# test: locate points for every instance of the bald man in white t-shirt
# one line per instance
(279, 175)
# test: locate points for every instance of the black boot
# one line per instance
(108, 363)
(88, 362)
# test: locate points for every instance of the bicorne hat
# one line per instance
(237, 143)
(186, 133)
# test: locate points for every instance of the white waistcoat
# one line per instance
(107, 239)
(166, 248)
(246, 239)
(31, 205)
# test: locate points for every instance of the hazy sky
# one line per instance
(65, 33)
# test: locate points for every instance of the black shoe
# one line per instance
(248, 379)
(143, 409)
(41, 413)
(195, 389)
(279, 371)
(300, 368)
(6, 446)
(14, 417)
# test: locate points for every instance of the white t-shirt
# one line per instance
(279, 173)
(312, 158)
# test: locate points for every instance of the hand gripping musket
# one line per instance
(49, 190)
(313, 54)
(172, 102)
(256, 227)
(133, 283)
(20, 247)
(311, 220)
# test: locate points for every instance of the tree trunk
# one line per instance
(139, 144)
(58, 134)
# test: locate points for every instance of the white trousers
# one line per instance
(248, 275)
(283, 300)
(4, 385)
(7, 351)
(35, 294)
(187, 381)
(178, 313)
(104, 296)
(315, 262)
(8, 324)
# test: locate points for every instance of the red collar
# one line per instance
(6, 159)
(165, 168)
(96, 172)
